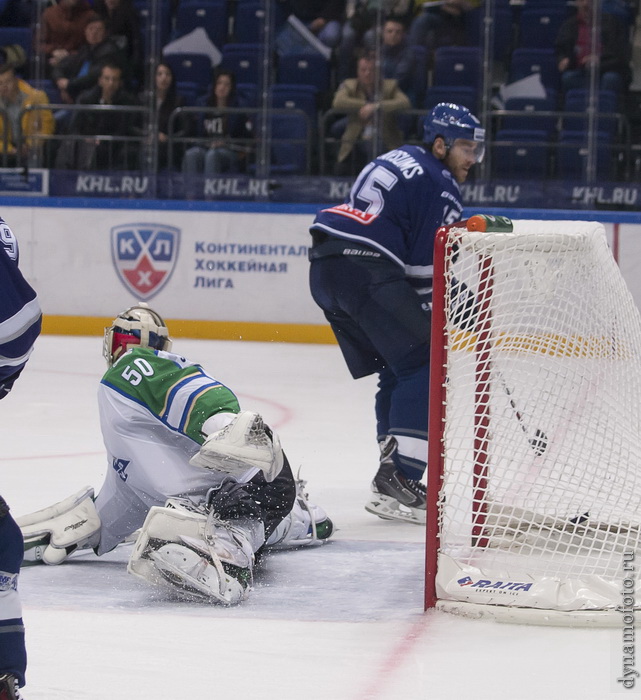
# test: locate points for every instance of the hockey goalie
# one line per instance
(202, 486)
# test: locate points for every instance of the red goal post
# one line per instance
(534, 464)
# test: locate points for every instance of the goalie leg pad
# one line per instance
(196, 576)
(195, 554)
(53, 533)
(243, 444)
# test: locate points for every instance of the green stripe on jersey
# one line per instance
(175, 390)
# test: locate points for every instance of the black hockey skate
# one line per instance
(394, 496)
(9, 687)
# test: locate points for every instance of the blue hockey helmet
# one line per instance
(137, 325)
(451, 122)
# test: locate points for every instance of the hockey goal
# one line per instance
(534, 477)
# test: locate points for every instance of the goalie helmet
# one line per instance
(137, 325)
(451, 122)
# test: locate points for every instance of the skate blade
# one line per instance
(389, 508)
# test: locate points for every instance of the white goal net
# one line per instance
(535, 425)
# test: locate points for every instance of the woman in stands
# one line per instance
(228, 132)
(167, 100)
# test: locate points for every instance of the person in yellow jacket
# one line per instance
(361, 99)
(15, 95)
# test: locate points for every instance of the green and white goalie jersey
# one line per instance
(152, 408)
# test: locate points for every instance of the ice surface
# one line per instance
(343, 621)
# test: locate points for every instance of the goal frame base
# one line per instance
(533, 616)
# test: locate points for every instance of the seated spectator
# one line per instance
(358, 96)
(221, 154)
(123, 26)
(397, 58)
(167, 100)
(93, 153)
(574, 51)
(359, 29)
(80, 71)
(15, 95)
(322, 17)
(62, 30)
(440, 23)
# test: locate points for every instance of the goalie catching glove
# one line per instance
(53, 533)
(245, 443)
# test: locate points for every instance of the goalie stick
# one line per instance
(539, 442)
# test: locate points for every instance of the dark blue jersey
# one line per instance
(20, 316)
(396, 205)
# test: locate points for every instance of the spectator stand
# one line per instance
(129, 144)
(289, 134)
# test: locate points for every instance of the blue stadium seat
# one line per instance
(528, 61)
(144, 9)
(247, 94)
(189, 91)
(289, 135)
(191, 68)
(577, 100)
(457, 66)
(248, 22)
(572, 152)
(303, 97)
(520, 153)
(504, 29)
(464, 96)
(289, 147)
(304, 69)
(211, 15)
(244, 60)
(539, 26)
(530, 120)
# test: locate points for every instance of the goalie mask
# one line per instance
(452, 122)
(137, 325)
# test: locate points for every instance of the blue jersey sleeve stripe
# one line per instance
(22, 343)
(14, 326)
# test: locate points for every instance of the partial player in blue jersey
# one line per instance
(20, 316)
(20, 321)
(371, 274)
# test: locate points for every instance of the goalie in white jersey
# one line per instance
(207, 484)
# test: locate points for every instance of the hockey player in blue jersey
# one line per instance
(20, 321)
(371, 274)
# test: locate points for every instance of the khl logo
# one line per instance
(144, 256)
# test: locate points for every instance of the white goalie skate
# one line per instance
(196, 555)
(305, 525)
